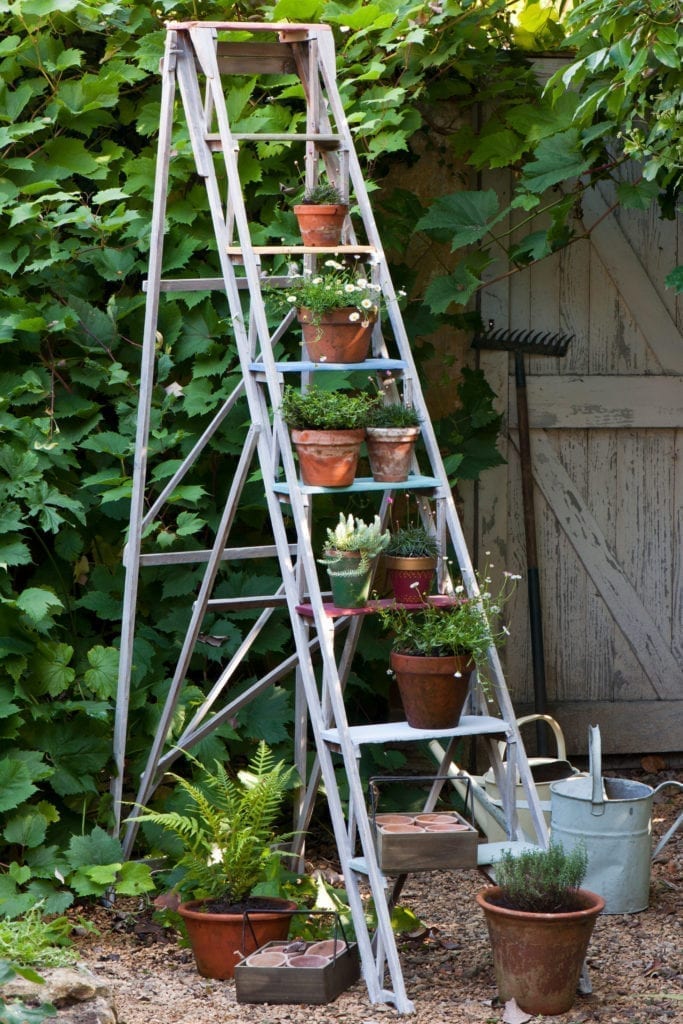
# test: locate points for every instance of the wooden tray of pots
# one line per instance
(421, 841)
(297, 972)
(424, 842)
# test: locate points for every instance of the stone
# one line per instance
(79, 995)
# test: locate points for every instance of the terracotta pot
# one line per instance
(215, 937)
(320, 225)
(390, 450)
(538, 957)
(431, 693)
(350, 585)
(335, 338)
(404, 572)
(328, 458)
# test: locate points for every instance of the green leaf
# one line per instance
(556, 159)
(466, 217)
(675, 279)
(16, 784)
(14, 552)
(134, 879)
(96, 848)
(38, 604)
(26, 829)
(102, 677)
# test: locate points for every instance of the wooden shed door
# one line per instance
(607, 445)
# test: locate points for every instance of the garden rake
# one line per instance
(535, 343)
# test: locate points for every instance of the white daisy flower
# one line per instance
(349, 288)
(366, 304)
(354, 316)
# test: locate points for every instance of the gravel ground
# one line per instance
(635, 961)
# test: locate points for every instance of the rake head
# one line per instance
(538, 343)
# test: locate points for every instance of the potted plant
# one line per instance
(230, 863)
(349, 555)
(392, 431)
(410, 561)
(540, 922)
(327, 429)
(321, 213)
(435, 650)
(336, 307)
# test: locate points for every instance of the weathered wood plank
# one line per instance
(626, 727)
(633, 284)
(633, 402)
(630, 614)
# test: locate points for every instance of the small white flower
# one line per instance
(362, 282)
(459, 589)
(291, 298)
(458, 675)
(354, 316)
(390, 672)
(415, 585)
(349, 288)
(317, 280)
(334, 264)
(515, 576)
(366, 304)
(323, 359)
(506, 631)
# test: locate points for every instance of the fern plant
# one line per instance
(228, 831)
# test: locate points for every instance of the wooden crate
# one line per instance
(288, 984)
(425, 851)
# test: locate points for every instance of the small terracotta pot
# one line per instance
(538, 957)
(431, 693)
(320, 224)
(328, 458)
(390, 451)
(335, 337)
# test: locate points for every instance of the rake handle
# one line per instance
(533, 587)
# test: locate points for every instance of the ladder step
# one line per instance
(305, 366)
(367, 483)
(490, 853)
(322, 141)
(401, 732)
(438, 600)
(304, 250)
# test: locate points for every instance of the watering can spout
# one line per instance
(598, 794)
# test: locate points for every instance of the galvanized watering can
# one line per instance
(612, 817)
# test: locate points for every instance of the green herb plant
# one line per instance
(542, 881)
(354, 534)
(336, 286)
(322, 194)
(393, 415)
(412, 541)
(316, 409)
(36, 941)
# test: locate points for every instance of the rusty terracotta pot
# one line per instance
(328, 458)
(320, 224)
(390, 450)
(538, 957)
(335, 337)
(431, 692)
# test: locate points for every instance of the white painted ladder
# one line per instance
(197, 54)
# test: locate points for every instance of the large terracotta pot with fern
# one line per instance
(230, 861)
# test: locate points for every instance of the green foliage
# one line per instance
(33, 941)
(542, 881)
(227, 832)
(353, 534)
(412, 541)
(323, 194)
(469, 436)
(317, 409)
(393, 415)
(617, 99)
(337, 287)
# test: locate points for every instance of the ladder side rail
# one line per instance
(189, 643)
(206, 58)
(193, 454)
(228, 672)
(327, 63)
(134, 541)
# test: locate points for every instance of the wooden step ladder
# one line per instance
(197, 55)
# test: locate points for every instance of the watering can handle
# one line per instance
(595, 768)
(556, 729)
